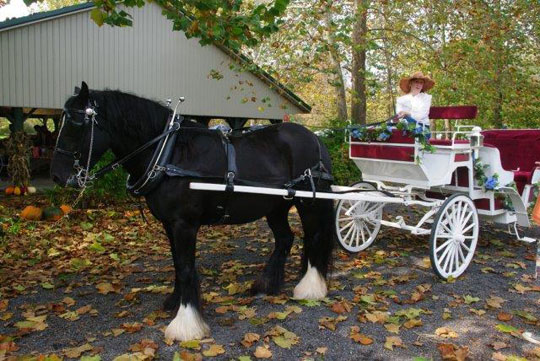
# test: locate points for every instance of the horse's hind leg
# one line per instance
(318, 243)
(271, 280)
(188, 323)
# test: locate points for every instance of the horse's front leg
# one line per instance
(188, 323)
(173, 300)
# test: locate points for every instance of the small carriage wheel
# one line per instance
(359, 229)
(454, 236)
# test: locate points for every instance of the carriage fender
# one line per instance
(519, 207)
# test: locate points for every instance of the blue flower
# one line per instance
(418, 130)
(383, 136)
(356, 133)
(491, 183)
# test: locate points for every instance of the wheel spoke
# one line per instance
(348, 234)
(345, 219)
(452, 253)
(368, 231)
(443, 255)
(466, 247)
(466, 229)
(346, 226)
(445, 235)
(449, 255)
(446, 228)
(462, 256)
(456, 259)
(362, 232)
(463, 213)
(445, 244)
(466, 220)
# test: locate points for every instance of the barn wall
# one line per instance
(41, 63)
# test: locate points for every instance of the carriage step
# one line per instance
(527, 239)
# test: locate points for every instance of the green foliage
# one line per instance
(343, 169)
(109, 188)
(112, 184)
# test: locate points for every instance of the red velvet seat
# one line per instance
(519, 149)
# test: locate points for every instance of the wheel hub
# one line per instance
(459, 238)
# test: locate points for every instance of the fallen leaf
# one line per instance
(415, 322)
(446, 332)
(75, 352)
(392, 341)
(358, 337)
(452, 352)
(470, 299)
(503, 316)
(391, 327)
(105, 288)
(213, 351)
(250, 339)
(262, 352)
(495, 302)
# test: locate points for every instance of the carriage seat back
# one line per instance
(453, 112)
(519, 149)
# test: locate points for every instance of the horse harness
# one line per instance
(159, 165)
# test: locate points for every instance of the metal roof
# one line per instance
(69, 10)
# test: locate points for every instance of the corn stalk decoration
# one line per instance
(18, 158)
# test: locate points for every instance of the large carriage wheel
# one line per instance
(454, 236)
(359, 229)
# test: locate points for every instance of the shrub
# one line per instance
(344, 170)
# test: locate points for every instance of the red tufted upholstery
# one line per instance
(519, 149)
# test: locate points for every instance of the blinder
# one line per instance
(82, 177)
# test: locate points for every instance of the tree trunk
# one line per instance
(359, 103)
(341, 94)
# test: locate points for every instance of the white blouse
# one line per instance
(417, 105)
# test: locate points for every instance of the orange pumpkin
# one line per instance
(31, 213)
(65, 208)
(9, 190)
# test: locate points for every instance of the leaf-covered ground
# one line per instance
(91, 287)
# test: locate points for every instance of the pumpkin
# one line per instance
(31, 190)
(52, 213)
(65, 208)
(31, 213)
(9, 190)
(17, 191)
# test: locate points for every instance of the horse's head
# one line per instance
(81, 140)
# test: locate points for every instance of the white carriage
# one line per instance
(443, 182)
(397, 171)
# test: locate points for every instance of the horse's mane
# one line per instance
(140, 119)
(129, 114)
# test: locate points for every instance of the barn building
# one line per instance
(45, 55)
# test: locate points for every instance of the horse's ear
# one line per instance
(83, 92)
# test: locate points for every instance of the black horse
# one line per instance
(95, 121)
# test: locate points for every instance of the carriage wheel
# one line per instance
(358, 229)
(454, 236)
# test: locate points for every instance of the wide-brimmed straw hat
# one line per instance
(404, 83)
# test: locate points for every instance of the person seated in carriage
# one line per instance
(414, 105)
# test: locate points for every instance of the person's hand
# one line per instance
(402, 114)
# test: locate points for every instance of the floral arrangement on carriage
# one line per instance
(388, 131)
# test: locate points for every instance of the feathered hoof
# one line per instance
(187, 325)
(312, 286)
